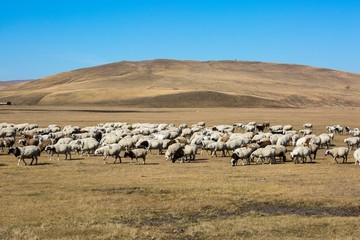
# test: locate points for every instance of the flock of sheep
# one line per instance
(247, 143)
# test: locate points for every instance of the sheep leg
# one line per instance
(335, 161)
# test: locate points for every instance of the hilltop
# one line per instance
(173, 83)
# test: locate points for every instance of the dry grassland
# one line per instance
(85, 199)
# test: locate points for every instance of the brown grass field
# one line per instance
(208, 199)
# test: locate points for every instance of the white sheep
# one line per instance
(241, 153)
(59, 149)
(338, 152)
(352, 142)
(302, 152)
(357, 156)
(112, 150)
(190, 151)
(172, 150)
(262, 154)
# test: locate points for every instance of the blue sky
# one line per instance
(39, 38)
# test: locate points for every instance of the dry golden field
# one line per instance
(84, 199)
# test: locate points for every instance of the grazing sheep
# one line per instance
(241, 153)
(172, 149)
(59, 149)
(308, 126)
(338, 152)
(302, 152)
(109, 150)
(357, 156)
(352, 142)
(21, 153)
(314, 148)
(136, 153)
(262, 154)
(280, 151)
(190, 151)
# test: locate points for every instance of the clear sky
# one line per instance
(39, 38)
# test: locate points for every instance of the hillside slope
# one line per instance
(172, 83)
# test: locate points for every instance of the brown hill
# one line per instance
(172, 83)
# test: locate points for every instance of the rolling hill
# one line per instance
(173, 83)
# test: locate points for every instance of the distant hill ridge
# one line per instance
(172, 83)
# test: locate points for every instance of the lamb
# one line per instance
(357, 156)
(302, 152)
(110, 150)
(59, 149)
(308, 126)
(352, 142)
(241, 153)
(338, 152)
(21, 153)
(262, 154)
(136, 153)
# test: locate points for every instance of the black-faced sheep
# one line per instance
(21, 153)
(136, 153)
(59, 149)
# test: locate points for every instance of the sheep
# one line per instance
(305, 132)
(59, 149)
(294, 138)
(136, 153)
(190, 151)
(171, 150)
(338, 152)
(283, 140)
(126, 143)
(262, 154)
(217, 146)
(109, 150)
(241, 153)
(21, 153)
(280, 151)
(357, 156)
(155, 144)
(303, 141)
(88, 145)
(325, 140)
(302, 152)
(45, 143)
(314, 148)
(264, 142)
(6, 142)
(308, 126)
(64, 140)
(28, 142)
(352, 142)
